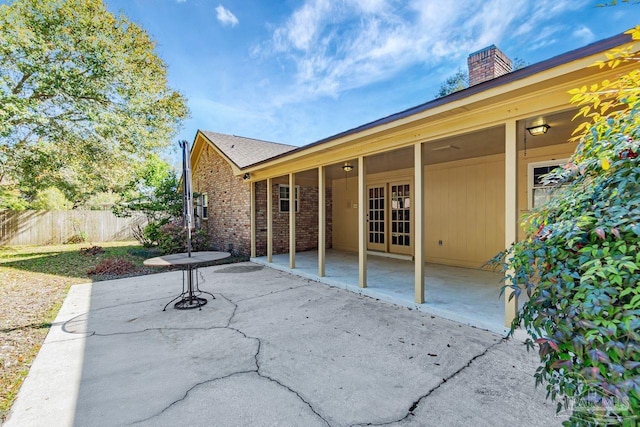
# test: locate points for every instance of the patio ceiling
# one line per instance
(485, 142)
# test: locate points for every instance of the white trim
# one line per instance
(204, 197)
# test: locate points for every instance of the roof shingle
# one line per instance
(246, 151)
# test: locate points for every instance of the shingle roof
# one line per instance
(246, 151)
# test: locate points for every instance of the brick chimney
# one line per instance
(487, 64)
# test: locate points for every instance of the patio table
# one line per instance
(189, 264)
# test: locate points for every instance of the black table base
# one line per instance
(191, 295)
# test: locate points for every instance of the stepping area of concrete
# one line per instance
(271, 349)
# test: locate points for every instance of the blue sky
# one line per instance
(296, 71)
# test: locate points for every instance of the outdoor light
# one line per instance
(539, 129)
(347, 167)
(246, 176)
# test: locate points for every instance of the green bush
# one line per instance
(172, 238)
(151, 233)
(580, 262)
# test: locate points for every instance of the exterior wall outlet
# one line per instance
(439, 242)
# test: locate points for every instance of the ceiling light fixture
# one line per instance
(347, 167)
(538, 130)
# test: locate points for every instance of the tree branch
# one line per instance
(16, 90)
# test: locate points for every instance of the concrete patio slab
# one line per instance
(469, 296)
(271, 349)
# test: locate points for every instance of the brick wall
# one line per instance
(487, 64)
(229, 221)
(306, 221)
(229, 218)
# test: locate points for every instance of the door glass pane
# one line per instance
(376, 215)
(400, 214)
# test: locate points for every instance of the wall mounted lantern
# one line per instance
(539, 129)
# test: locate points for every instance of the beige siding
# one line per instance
(465, 210)
(345, 214)
(464, 206)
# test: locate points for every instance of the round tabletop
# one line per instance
(196, 258)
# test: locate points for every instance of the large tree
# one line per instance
(83, 97)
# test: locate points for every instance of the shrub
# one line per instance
(173, 239)
(580, 262)
(112, 266)
(150, 235)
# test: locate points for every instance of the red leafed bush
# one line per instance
(112, 266)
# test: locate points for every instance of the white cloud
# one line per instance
(226, 17)
(338, 45)
(584, 34)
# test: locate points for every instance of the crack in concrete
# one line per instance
(297, 394)
(417, 402)
(175, 402)
(256, 360)
(257, 356)
(271, 293)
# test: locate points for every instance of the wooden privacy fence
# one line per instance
(54, 227)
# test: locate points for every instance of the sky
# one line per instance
(297, 71)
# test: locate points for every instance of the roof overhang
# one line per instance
(537, 89)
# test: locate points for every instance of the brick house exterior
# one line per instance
(306, 221)
(228, 221)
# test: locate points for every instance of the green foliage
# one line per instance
(51, 199)
(83, 97)
(154, 191)
(172, 238)
(454, 83)
(580, 261)
(101, 201)
(10, 199)
(518, 63)
(151, 234)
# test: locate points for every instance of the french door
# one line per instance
(377, 240)
(401, 225)
(389, 218)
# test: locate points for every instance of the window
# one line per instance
(204, 202)
(284, 197)
(539, 194)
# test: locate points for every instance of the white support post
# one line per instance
(252, 186)
(510, 209)
(292, 220)
(362, 223)
(418, 218)
(321, 222)
(269, 220)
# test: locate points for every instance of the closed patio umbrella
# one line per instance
(187, 195)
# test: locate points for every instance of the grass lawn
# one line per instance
(34, 281)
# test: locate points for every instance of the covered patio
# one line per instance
(465, 295)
